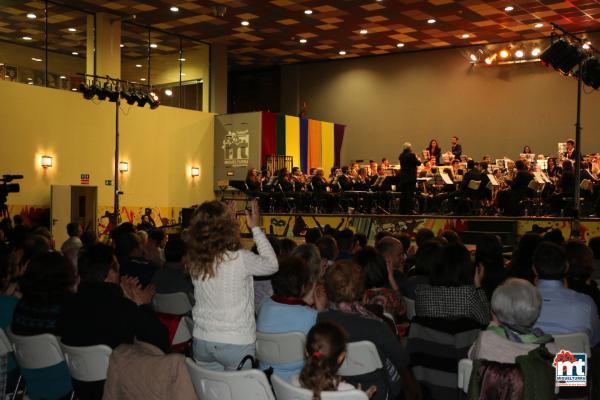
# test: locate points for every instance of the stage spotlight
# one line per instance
(536, 52)
(554, 52)
(88, 91)
(519, 53)
(504, 53)
(153, 100)
(104, 92)
(490, 59)
(590, 73)
(572, 57)
(473, 57)
(129, 96)
(142, 100)
(562, 56)
(113, 94)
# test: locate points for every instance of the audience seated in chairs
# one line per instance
(325, 352)
(286, 311)
(8, 302)
(522, 257)
(70, 247)
(328, 248)
(173, 277)
(347, 244)
(429, 254)
(316, 266)
(488, 255)
(394, 253)
(581, 268)
(516, 305)
(153, 250)
(46, 286)
(130, 252)
(224, 324)
(563, 310)
(454, 289)
(511, 350)
(382, 294)
(344, 284)
(107, 310)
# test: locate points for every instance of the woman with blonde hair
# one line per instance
(224, 325)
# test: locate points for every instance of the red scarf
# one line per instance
(293, 301)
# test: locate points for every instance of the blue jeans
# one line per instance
(221, 356)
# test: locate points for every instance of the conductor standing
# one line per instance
(408, 178)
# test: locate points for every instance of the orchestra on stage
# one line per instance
(436, 182)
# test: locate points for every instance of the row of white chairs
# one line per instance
(278, 348)
(90, 364)
(573, 342)
(86, 364)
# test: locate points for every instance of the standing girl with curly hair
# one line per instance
(224, 324)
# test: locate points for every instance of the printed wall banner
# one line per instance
(236, 148)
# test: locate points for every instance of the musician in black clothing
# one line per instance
(408, 178)
(570, 153)
(252, 180)
(510, 199)
(345, 180)
(319, 182)
(363, 182)
(435, 152)
(456, 147)
(521, 181)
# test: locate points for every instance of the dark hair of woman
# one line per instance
(429, 254)
(292, 278)
(373, 267)
(489, 251)
(213, 231)
(522, 258)
(324, 353)
(581, 260)
(48, 278)
(456, 268)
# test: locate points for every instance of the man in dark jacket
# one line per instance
(408, 178)
(104, 312)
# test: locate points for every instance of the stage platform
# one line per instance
(508, 228)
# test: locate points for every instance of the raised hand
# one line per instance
(253, 216)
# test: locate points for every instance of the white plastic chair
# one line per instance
(34, 352)
(172, 303)
(465, 367)
(361, 358)
(578, 342)
(87, 364)
(410, 307)
(184, 331)
(249, 384)
(286, 391)
(5, 346)
(280, 348)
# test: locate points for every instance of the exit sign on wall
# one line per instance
(85, 179)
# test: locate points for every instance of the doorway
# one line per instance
(72, 204)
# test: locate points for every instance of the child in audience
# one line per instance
(324, 354)
(222, 273)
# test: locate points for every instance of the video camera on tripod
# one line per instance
(5, 188)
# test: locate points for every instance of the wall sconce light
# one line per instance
(123, 166)
(46, 161)
(195, 171)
